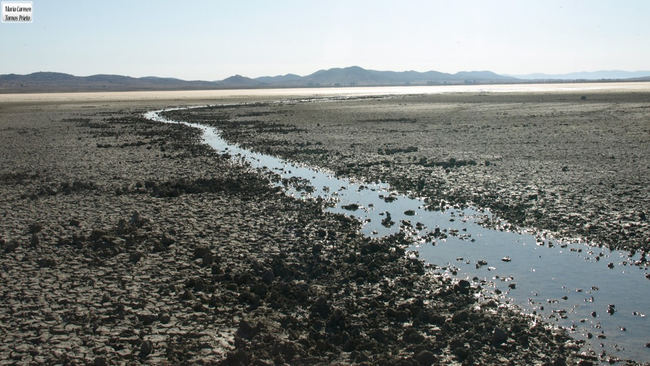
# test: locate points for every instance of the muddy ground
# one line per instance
(574, 164)
(127, 241)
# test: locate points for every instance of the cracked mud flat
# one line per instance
(128, 241)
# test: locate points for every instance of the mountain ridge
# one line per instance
(333, 77)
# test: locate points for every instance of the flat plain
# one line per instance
(126, 240)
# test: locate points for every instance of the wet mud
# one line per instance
(572, 164)
(129, 241)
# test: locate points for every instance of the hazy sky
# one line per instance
(211, 40)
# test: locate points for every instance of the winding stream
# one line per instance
(569, 284)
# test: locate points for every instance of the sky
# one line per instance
(211, 40)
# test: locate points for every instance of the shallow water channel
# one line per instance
(598, 295)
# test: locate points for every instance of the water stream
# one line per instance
(569, 284)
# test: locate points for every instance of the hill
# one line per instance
(334, 77)
(60, 82)
(348, 76)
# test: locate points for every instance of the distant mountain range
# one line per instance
(59, 82)
(348, 76)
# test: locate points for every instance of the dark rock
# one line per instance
(350, 207)
(147, 318)
(336, 322)
(159, 247)
(268, 276)
(187, 296)
(461, 352)
(260, 289)
(559, 362)
(166, 240)
(460, 316)
(386, 221)
(137, 220)
(390, 198)
(46, 262)
(320, 307)
(462, 287)
(205, 254)
(611, 309)
(10, 246)
(246, 331)
(247, 297)
(198, 283)
(34, 241)
(412, 336)
(145, 349)
(135, 257)
(35, 227)
(378, 335)
(499, 336)
(372, 247)
(96, 234)
(425, 358)
(200, 252)
(398, 315)
(164, 318)
(317, 249)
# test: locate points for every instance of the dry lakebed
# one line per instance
(480, 227)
